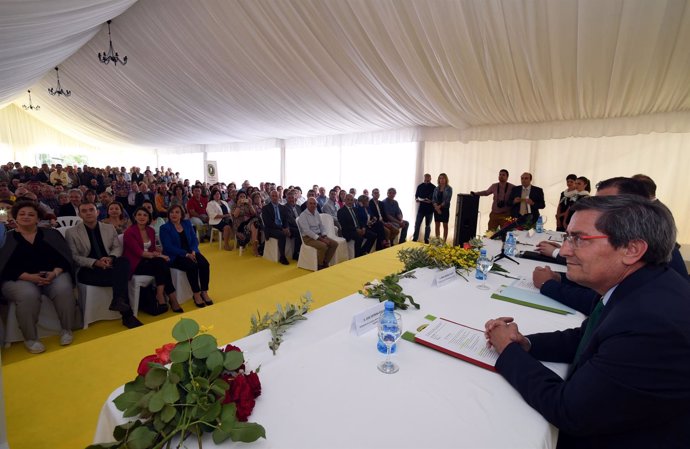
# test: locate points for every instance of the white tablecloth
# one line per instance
(323, 390)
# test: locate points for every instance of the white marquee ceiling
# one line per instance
(216, 71)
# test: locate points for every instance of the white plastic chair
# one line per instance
(271, 249)
(95, 302)
(308, 256)
(67, 221)
(341, 254)
(182, 287)
(48, 322)
(216, 231)
(135, 283)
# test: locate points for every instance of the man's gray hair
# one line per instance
(625, 218)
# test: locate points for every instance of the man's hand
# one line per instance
(517, 200)
(546, 248)
(503, 331)
(542, 274)
(529, 201)
(104, 262)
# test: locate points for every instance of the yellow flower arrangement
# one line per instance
(438, 254)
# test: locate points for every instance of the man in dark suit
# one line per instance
(276, 218)
(526, 199)
(354, 230)
(629, 383)
(71, 209)
(555, 285)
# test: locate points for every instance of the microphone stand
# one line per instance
(503, 254)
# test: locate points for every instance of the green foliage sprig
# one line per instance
(185, 398)
(389, 289)
(279, 321)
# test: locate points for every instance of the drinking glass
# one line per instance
(389, 333)
(485, 266)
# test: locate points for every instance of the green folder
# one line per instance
(531, 299)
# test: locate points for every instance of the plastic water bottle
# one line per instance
(510, 245)
(478, 272)
(540, 225)
(387, 317)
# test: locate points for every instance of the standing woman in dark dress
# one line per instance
(181, 245)
(564, 202)
(441, 202)
(36, 261)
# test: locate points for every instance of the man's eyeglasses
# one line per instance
(575, 240)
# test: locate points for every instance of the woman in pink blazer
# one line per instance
(147, 259)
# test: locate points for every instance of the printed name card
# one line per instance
(444, 277)
(366, 320)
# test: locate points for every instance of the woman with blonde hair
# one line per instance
(441, 202)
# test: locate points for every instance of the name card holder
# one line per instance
(366, 320)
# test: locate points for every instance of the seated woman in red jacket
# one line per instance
(181, 245)
(146, 258)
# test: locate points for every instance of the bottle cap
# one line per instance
(389, 305)
(482, 252)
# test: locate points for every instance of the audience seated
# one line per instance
(181, 246)
(245, 223)
(33, 262)
(314, 234)
(71, 209)
(97, 253)
(219, 217)
(394, 215)
(116, 217)
(196, 208)
(353, 229)
(146, 258)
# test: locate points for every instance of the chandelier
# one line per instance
(31, 106)
(59, 91)
(112, 55)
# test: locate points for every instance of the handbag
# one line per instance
(148, 302)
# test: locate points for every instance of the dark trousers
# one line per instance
(158, 268)
(116, 277)
(363, 244)
(198, 273)
(426, 216)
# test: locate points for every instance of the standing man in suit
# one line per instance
(97, 252)
(425, 208)
(354, 230)
(526, 199)
(629, 382)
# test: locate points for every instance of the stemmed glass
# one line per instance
(389, 333)
(485, 266)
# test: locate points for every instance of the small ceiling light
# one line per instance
(59, 90)
(112, 55)
(31, 106)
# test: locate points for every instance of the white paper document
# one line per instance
(525, 284)
(459, 341)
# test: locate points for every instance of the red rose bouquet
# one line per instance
(188, 388)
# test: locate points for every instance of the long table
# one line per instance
(323, 389)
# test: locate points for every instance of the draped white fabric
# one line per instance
(219, 71)
(475, 166)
